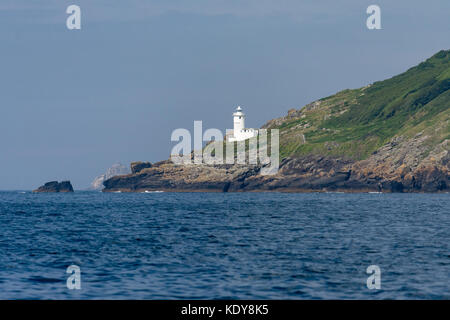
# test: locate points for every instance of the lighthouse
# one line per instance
(238, 120)
(240, 132)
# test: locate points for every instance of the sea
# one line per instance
(163, 245)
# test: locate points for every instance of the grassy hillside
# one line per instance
(355, 123)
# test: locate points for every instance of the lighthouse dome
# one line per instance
(238, 112)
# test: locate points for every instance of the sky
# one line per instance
(74, 102)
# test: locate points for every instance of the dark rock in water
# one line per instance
(55, 186)
(138, 166)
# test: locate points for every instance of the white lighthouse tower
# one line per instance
(238, 120)
(240, 132)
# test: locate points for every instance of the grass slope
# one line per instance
(355, 123)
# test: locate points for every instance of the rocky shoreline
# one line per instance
(314, 173)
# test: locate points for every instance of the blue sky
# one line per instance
(75, 102)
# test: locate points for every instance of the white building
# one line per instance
(240, 132)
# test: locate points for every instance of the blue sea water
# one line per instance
(224, 245)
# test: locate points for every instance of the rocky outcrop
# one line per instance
(402, 165)
(55, 186)
(115, 170)
(137, 166)
(407, 165)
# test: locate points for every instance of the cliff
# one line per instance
(390, 136)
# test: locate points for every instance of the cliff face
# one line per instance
(391, 136)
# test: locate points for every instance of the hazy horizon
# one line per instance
(74, 102)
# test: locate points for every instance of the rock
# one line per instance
(55, 186)
(138, 166)
(297, 174)
(115, 170)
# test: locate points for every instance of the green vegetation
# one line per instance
(355, 123)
